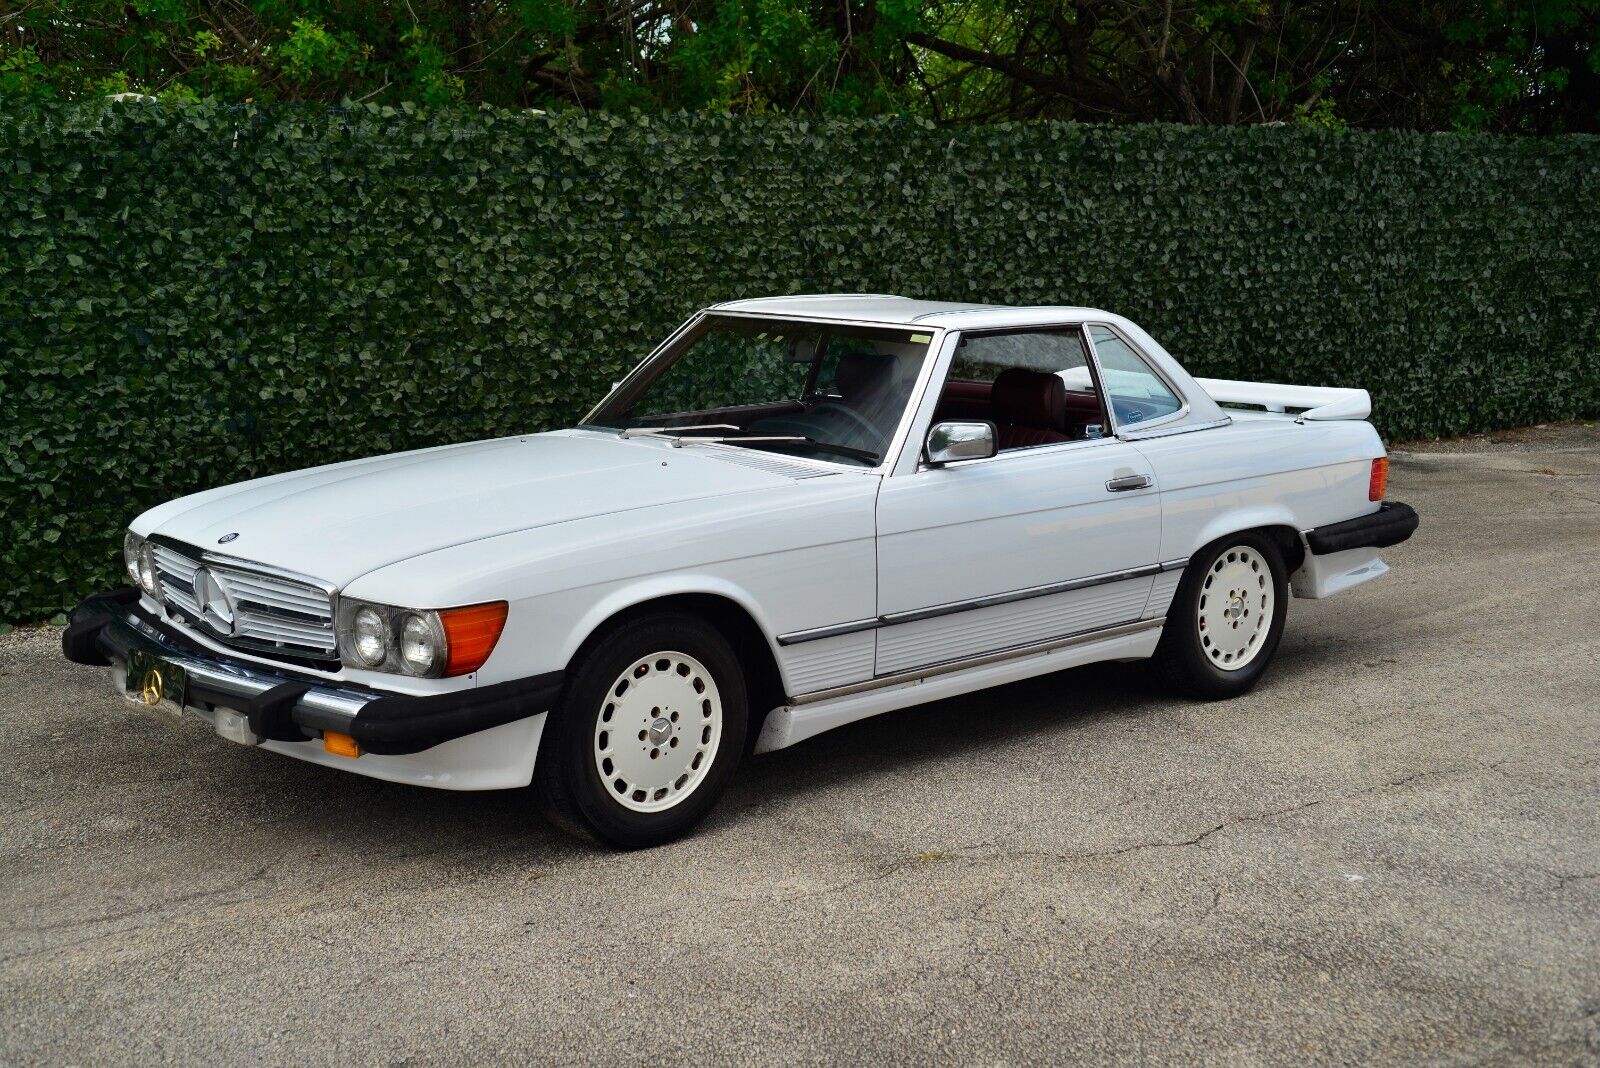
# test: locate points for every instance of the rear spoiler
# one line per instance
(1306, 402)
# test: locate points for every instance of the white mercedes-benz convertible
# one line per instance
(796, 513)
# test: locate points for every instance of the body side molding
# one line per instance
(934, 611)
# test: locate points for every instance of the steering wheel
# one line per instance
(861, 422)
(804, 425)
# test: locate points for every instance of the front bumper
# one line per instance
(291, 707)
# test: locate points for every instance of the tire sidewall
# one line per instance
(1206, 677)
(586, 695)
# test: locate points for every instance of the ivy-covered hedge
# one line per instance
(194, 295)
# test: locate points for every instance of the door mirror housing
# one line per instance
(964, 439)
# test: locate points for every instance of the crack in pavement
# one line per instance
(888, 871)
(1258, 817)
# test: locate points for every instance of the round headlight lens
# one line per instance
(131, 544)
(370, 642)
(419, 649)
(147, 569)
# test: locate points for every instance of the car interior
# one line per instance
(840, 395)
(1029, 408)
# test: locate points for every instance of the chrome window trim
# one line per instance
(1133, 428)
(1028, 593)
(1169, 431)
(946, 667)
(622, 382)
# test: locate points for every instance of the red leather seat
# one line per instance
(1030, 408)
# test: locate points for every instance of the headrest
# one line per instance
(860, 373)
(1029, 398)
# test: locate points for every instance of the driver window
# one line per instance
(1036, 387)
(1136, 392)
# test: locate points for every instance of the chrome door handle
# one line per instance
(1128, 482)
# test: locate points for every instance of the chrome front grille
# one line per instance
(259, 610)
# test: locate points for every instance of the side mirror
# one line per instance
(960, 440)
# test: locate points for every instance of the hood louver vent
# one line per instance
(775, 465)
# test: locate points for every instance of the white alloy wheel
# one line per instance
(1237, 599)
(657, 734)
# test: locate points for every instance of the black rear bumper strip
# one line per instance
(1391, 524)
(289, 705)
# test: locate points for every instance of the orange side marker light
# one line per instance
(340, 744)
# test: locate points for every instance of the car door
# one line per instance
(1058, 534)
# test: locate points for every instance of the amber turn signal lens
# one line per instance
(1379, 484)
(470, 634)
(340, 744)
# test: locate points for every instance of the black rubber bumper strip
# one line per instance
(1391, 524)
(389, 724)
(402, 723)
(80, 642)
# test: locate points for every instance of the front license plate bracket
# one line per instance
(156, 683)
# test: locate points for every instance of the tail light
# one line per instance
(1379, 483)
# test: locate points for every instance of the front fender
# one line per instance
(633, 593)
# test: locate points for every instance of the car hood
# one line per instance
(339, 522)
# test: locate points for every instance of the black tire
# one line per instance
(1182, 656)
(567, 776)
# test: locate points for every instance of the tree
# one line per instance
(1505, 65)
(1426, 64)
(742, 55)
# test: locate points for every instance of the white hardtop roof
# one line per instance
(887, 308)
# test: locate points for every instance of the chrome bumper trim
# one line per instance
(326, 705)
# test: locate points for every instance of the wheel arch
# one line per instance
(724, 609)
(1278, 524)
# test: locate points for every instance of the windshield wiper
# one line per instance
(788, 439)
(729, 439)
(664, 431)
(676, 436)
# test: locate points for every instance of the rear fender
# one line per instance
(1241, 519)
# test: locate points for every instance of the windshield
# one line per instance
(826, 392)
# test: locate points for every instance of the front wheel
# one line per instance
(1226, 618)
(648, 732)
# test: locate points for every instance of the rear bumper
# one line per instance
(287, 706)
(1391, 524)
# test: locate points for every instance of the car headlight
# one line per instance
(369, 640)
(422, 642)
(140, 561)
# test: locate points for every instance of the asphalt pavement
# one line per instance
(1388, 853)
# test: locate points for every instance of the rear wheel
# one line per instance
(650, 728)
(1226, 618)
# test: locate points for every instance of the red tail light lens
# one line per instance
(1379, 483)
(471, 633)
